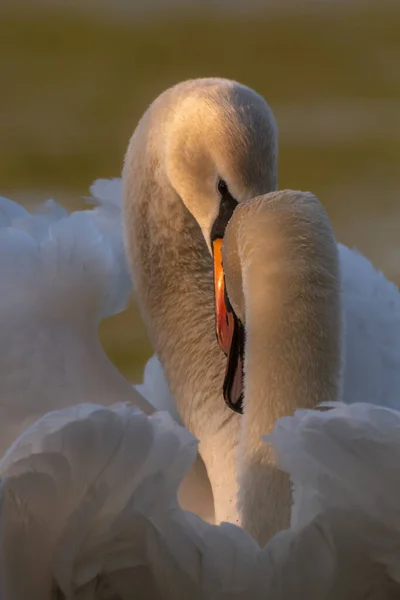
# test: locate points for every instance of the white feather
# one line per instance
(372, 332)
(89, 510)
(155, 388)
(344, 465)
(61, 274)
(83, 491)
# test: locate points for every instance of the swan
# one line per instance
(200, 149)
(89, 493)
(281, 268)
(194, 134)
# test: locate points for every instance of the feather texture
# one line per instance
(61, 274)
(89, 511)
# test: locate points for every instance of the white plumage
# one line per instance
(88, 492)
(89, 511)
(372, 332)
(61, 274)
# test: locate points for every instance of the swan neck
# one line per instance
(293, 343)
(292, 352)
(173, 279)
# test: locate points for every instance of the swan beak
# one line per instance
(230, 335)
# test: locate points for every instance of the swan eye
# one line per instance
(222, 187)
(226, 207)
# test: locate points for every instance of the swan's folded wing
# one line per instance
(372, 332)
(80, 255)
(344, 464)
(84, 493)
(60, 275)
(88, 506)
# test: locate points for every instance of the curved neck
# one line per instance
(292, 361)
(173, 279)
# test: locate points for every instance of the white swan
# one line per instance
(88, 505)
(192, 135)
(201, 147)
(282, 278)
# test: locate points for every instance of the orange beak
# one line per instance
(230, 335)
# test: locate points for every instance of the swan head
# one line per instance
(281, 245)
(212, 142)
(221, 149)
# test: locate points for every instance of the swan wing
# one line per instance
(84, 493)
(344, 465)
(88, 509)
(372, 332)
(61, 274)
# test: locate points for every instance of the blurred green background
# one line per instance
(76, 77)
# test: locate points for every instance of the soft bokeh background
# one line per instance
(76, 76)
